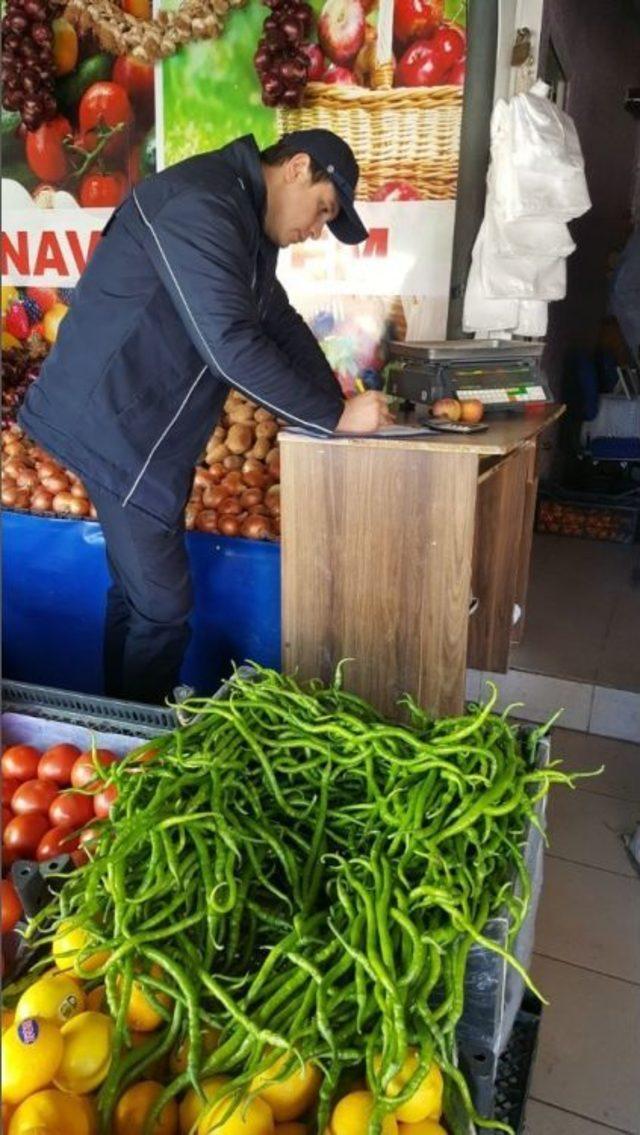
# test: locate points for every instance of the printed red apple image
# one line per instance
(422, 65)
(416, 19)
(456, 75)
(451, 42)
(341, 30)
(396, 191)
(317, 61)
(339, 75)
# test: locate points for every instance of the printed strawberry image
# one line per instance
(16, 321)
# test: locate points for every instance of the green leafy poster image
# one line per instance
(211, 93)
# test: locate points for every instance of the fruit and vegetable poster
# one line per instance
(83, 102)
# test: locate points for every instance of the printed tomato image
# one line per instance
(136, 78)
(46, 154)
(104, 105)
(103, 190)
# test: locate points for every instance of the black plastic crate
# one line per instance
(515, 1066)
(499, 1084)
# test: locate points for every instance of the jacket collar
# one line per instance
(244, 158)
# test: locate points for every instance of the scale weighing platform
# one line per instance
(501, 374)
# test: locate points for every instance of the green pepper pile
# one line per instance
(308, 878)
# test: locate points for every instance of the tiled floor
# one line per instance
(586, 1079)
(583, 613)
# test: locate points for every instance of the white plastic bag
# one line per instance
(538, 168)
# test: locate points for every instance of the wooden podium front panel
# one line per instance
(376, 566)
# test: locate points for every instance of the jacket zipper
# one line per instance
(163, 435)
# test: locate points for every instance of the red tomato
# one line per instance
(7, 815)
(104, 104)
(20, 762)
(103, 801)
(11, 905)
(57, 841)
(45, 153)
(102, 190)
(33, 796)
(8, 788)
(71, 810)
(23, 834)
(88, 836)
(84, 771)
(135, 77)
(56, 764)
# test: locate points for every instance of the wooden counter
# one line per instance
(385, 542)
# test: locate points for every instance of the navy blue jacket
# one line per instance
(178, 302)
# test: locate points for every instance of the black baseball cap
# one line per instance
(337, 159)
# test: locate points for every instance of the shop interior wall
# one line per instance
(598, 45)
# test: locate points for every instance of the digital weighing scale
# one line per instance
(501, 374)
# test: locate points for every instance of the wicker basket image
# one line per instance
(406, 133)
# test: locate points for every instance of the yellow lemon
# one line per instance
(69, 941)
(9, 341)
(291, 1097)
(141, 1014)
(424, 1127)
(192, 1106)
(252, 1117)
(352, 1114)
(180, 1055)
(57, 997)
(86, 1055)
(31, 1056)
(157, 1070)
(291, 1128)
(134, 1106)
(96, 1000)
(426, 1101)
(53, 1113)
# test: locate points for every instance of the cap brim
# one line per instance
(347, 226)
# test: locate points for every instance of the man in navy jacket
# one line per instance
(179, 302)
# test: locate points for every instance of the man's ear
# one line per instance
(297, 169)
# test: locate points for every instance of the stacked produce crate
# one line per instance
(246, 745)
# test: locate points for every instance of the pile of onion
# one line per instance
(235, 492)
(235, 497)
(34, 482)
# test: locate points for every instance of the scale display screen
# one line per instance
(498, 386)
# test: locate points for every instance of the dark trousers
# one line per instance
(148, 604)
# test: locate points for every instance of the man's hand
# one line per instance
(365, 413)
